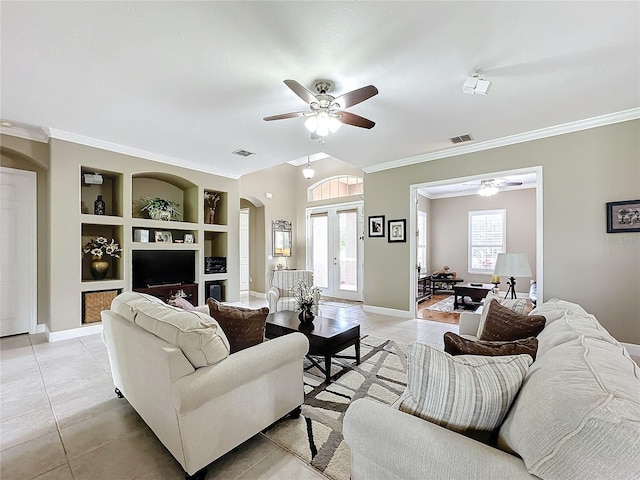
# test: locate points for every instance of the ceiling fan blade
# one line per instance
(356, 96)
(356, 120)
(301, 91)
(509, 184)
(284, 115)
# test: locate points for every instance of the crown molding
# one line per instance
(37, 134)
(623, 116)
(134, 152)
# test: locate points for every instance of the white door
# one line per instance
(335, 250)
(244, 249)
(17, 251)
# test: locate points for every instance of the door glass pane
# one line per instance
(320, 253)
(348, 248)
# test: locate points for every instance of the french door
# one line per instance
(334, 249)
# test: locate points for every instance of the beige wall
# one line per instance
(582, 263)
(33, 156)
(450, 231)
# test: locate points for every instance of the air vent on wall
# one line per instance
(242, 153)
(461, 138)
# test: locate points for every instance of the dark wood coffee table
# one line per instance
(476, 292)
(327, 337)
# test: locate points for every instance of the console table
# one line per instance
(443, 280)
(424, 288)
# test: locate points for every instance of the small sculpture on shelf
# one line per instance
(211, 199)
(98, 248)
(99, 207)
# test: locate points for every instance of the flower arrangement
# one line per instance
(100, 246)
(305, 295)
(160, 209)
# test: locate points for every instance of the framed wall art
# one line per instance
(397, 230)
(623, 216)
(376, 226)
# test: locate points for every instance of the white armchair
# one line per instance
(280, 295)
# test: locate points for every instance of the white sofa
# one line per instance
(577, 416)
(280, 295)
(198, 412)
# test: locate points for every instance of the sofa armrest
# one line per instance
(192, 391)
(387, 443)
(272, 296)
(469, 323)
(202, 309)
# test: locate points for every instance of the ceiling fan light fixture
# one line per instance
(308, 172)
(311, 123)
(487, 190)
(334, 123)
(322, 129)
(474, 85)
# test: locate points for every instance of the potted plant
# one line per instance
(161, 209)
(100, 247)
(305, 297)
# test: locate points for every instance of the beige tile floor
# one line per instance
(61, 420)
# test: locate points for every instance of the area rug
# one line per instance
(446, 305)
(316, 436)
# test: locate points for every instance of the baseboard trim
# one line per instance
(72, 332)
(633, 349)
(392, 312)
(257, 294)
(40, 328)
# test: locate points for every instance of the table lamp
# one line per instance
(512, 265)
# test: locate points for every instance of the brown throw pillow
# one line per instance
(456, 345)
(243, 327)
(504, 325)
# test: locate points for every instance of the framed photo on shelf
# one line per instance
(623, 216)
(163, 237)
(188, 238)
(397, 230)
(376, 226)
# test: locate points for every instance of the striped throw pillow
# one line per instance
(467, 394)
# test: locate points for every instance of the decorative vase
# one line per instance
(306, 315)
(99, 207)
(161, 215)
(99, 269)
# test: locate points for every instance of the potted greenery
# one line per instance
(97, 248)
(305, 297)
(161, 209)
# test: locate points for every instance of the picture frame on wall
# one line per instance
(376, 226)
(397, 230)
(162, 236)
(623, 216)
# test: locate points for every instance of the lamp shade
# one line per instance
(512, 265)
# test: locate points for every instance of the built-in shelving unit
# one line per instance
(125, 222)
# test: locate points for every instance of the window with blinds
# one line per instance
(487, 238)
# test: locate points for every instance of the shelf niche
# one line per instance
(110, 189)
(167, 187)
(220, 215)
(92, 231)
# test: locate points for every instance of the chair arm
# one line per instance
(272, 295)
(469, 323)
(192, 391)
(397, 445)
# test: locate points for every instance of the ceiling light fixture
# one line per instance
(474, 85)
(487, 190)
(308, 172)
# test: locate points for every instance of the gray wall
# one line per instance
(582, 263)
(450, 231)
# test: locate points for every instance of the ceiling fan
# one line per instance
(326, 112)
(491, 186)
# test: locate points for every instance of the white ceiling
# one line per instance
(189, 82)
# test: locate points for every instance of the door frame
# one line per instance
(29, 298)
(413, 227)
(247, 212)
(359, 207)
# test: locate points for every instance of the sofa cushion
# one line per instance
(243, 327)
(467, 394)
(555, 309)
(182, 303)
(456, 345)
(578, 412)
(517, 305)
(197, 334)
(127, 303)
(502, 324)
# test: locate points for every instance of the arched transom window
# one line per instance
(335, 187)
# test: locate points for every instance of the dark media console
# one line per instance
(165, 292)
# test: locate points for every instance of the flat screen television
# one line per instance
(163, 267)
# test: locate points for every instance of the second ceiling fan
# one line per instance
(327, 112)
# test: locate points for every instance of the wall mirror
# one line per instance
(281, 238)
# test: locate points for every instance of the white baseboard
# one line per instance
(40, 328)
(257, 294)
(392, 312)
(634, 350)
(72, 332)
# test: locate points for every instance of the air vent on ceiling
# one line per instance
(243, 153)
(461, 138)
